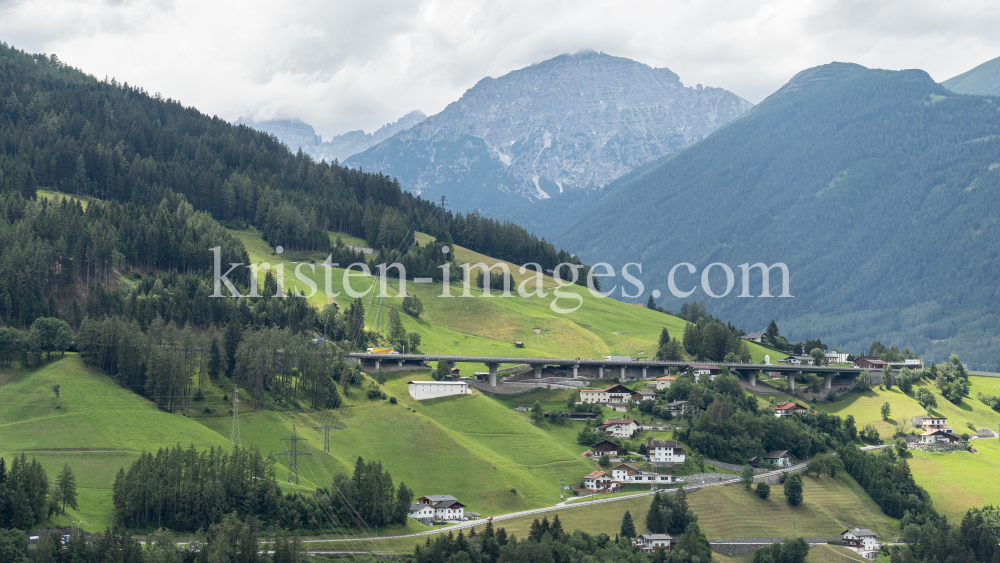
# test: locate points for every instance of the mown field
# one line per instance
(727, 512)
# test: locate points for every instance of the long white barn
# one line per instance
(421, 390)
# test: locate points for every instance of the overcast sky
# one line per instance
(357, 65)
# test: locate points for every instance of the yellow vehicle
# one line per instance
(381, 351)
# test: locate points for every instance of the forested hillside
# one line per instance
(63, 129)
(880, 190)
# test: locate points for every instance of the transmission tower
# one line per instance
(293, 455)
(234, 434)
(326, 435)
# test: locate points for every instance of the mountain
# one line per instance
(296, 134)
(880, 190)
(983, 80)
(571, 123)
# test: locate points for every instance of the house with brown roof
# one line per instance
(620, 427)
(665, 381)
(616, 394)
(789, 408)
(704, 369)
(599, 481)
(606, 447)
(781, 458)
(870, 362)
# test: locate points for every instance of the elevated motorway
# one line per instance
(623, 369)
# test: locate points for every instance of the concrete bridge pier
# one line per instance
(538, 371)
(493, 374)
(666, 371)
(791, 381)
(576, 371)
(828, 383)
(622, 377)
(644, 372)
(378, 364)
(600, 372)
(753, 379)
(400, 363)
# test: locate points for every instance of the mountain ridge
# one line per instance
(571, 122)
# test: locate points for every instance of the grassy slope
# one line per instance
(727, 512)
(490, 325)
(98, 428)
(958, 480)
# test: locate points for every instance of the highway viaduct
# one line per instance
(603, 368)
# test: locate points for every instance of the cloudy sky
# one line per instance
(357, 65)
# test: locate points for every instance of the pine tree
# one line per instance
(628, 528)
(232, 339)
(396, 331)
(214, 359)
(556, 530)
(3, 471)
(66, 483)
(664, 336)
(650, 304)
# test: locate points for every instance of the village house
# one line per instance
(446, 507)
(757, 337)
(836, 358)
(640, 396)
(599, 481)
(932, 423)
(648, 543)
(606, 447)
(754, 462)
(789, 408)
(627, 473)
(620, 427)
(862, 541)
(616, 394)
(676, 408)
(522, 408)
(939, 437)
(781, 458)
(704, 369)
(665, 451)
(870, 362)
(798, 360)
(423, 513)
(665, 381)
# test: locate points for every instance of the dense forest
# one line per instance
(186, 490)
(878, 189)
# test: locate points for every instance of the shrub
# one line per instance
(763, 490)
(793, 489)
(392, 400)
(374, 394)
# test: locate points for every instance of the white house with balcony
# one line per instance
(862, 541)
(665, 451)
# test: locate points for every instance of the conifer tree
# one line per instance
(214, 359)
(628, 527)
(66, 484)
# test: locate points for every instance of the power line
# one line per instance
(234, 434)
(293, 455)
(326, 435)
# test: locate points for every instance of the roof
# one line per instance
(595, 475)
(656, 536)
(630, 466)
(618, 421)
(418, 506)
(676, 403)
(666, 378)
(606, 442)
(448, 504)
(439, 498)
(756, 335)
(703, 366)
(861, 532)
(618, 389)
(661, 444)
(777, 454)
(645, 392)
(440, 382)
(788, 405)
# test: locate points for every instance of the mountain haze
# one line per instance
(298, 135)
(571, 123)
(983, 80)
(880, 190)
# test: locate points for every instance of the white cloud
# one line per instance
(353, 65)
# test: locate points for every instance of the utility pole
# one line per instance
(293, 455)
(326, 436)
(234, 434)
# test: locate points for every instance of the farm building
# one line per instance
(421, 390)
